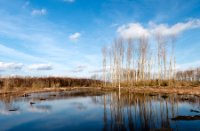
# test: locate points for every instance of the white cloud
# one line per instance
(136, 30)
(133, 30)
(39, 12)
(74, 36)
(39, 36)
(40, 67)
(10, 66)
(69, 1)
(176, 29)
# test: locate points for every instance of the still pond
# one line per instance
(89, 110)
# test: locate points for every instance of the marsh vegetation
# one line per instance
(28, 83)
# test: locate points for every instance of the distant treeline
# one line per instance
(42, 82)
(189, 75)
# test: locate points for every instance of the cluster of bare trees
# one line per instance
(188, 75)
(134, 61)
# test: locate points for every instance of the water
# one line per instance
(78, 110)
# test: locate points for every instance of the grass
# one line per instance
(32, 84)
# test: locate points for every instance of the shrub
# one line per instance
(41, 82)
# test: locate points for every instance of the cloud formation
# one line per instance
(10, 66)
(39, 12)
(175, 29)
(133, 30)
(136, 30)
(40, 67)
(74, 36)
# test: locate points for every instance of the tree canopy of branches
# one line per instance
(137, 61)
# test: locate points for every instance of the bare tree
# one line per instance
(140, 63)
(143, 48)
(104, 53)
(129, 61)
(111, 66)
(159, 46)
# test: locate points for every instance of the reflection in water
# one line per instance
(79, 105)
(145, 112)
(8, 106)
(77, 111)
(39, 108)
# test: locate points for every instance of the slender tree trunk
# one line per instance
(104, 53)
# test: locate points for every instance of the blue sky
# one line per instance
(65, 37)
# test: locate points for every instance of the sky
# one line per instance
(65, 37)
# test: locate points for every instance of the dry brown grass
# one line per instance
(21, 84)
(14, 83)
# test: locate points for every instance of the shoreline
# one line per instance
(143, 90)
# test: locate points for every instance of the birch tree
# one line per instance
(104, 53)
(129, 61)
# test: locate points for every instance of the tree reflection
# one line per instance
(139, 111)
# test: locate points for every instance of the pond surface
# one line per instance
(81, 110)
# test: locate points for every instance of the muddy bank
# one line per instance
(168, 90)
(148, 90)
(158, 90)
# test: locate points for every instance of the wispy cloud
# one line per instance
(39, 12)
(39, 37)
(11, 52)
(96, 71)
(75, 36)
(40, 67)
(136, 30)
(175, 29)
(79, 69)
(189, 65)
(114, 25)
(81, 66)
(69, 1)
(10, 66)
(26, 4)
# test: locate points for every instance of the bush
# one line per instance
(1, 84)
(164, 83)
